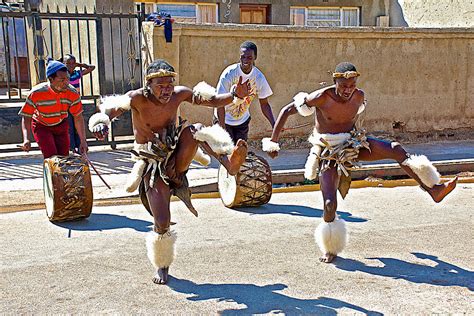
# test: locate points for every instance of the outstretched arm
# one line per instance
(283, 116)
(111, 107)
(304, 104)
(204, 94)
(270, 145)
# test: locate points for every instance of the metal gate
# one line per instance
(29, 37)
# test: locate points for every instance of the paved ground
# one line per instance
(406, 255)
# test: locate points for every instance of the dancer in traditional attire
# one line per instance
(338, 145)
(165, 146)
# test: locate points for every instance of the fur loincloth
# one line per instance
(156, 158)
(340, 150)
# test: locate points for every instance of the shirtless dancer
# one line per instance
(338, 145)
(164, 148)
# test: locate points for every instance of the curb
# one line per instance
(357, 184)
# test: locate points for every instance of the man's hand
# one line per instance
(26, 145)
(242, 89)
(83, 148)
(273, 154)
(100, 131)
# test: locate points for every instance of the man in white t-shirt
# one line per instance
(235, 117)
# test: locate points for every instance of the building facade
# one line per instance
(322, 13)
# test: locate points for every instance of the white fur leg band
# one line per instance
(269, 146)
(299, 101)
(98, 118)
(115, 102)
(312, 163)
(424, 169)
(203, 92)
(217, 138)
(160, 248)
(135, 176)
(202, 158)
(331, 237)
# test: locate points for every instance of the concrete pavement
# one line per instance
(406, 255)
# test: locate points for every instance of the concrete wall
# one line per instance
(423, 78)
(433, 13)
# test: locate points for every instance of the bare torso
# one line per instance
(335, 116)
(150, 117)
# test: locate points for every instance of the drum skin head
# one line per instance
(48, 190)
(227, 186)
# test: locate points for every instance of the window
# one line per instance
(207, 13)
(191, 13)
(254, 14)
(325, 16)
(297, 16)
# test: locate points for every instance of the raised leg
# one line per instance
(218, 143)
(417, 167)
(330, 235)
(233, 161)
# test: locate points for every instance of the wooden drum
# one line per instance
(251, 186)
(67, 188)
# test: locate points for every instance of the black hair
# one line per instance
(155, 67)
(249, 45)
(345, 66)
(65, 57)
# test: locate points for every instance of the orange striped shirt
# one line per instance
(50, 108)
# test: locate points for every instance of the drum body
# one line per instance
(67, 188)
(251, 186)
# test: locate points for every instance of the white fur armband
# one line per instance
(269, 146)
(204, 92)
(299, 102)
(98, 118)
(115, 102)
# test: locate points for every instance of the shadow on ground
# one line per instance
(106, 222)
(295, 210)
(261, 299)
(442, 274)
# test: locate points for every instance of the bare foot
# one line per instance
(161, 276)
(237, 158)
(439, 191)
(327, 258)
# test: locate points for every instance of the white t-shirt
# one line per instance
(238, 114)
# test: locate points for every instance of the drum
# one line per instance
(67, 188)
(251, 186)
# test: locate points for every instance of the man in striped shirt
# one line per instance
(45, 113)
